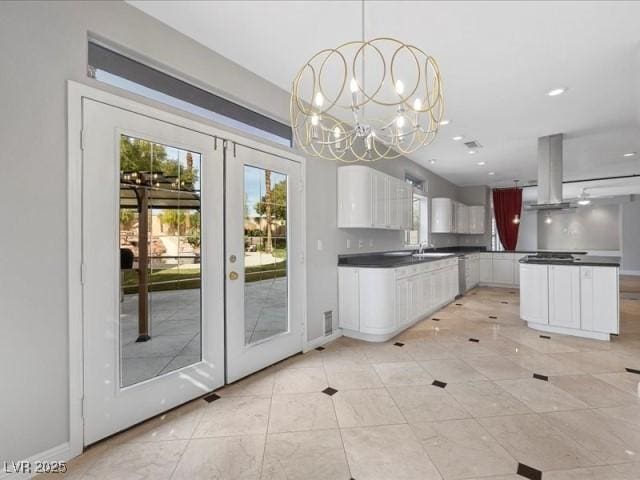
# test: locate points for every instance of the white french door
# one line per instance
(153, 314)
(264, 264)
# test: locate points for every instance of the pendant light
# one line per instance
(516, 217)
(341, 111)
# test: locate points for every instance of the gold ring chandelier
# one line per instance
(335, 115)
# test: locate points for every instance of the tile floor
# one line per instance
(388, 421)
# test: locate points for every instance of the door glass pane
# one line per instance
(160, 314)
(265, 254)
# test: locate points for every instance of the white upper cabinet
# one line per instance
(380, 199)
(462, 218)
(449, 216)
(368, 198)
(442, 215)
(476, 219)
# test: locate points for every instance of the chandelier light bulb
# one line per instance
(516, 219)
(417, 104)
(548, 220)
(353, 85)
(399, 87)
(400, 121)
(319, 99)
(315, 119)
(337, 133)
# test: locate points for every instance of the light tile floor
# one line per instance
(388, 421)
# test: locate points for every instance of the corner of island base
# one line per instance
(569, 331)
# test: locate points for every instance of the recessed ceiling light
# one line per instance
(557, 91)
(481, 163)
(629, 154)
(491, 173)
(472, 152)
(432, 161)
(445, 122)
(458, 138)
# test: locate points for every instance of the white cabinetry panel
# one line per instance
(599, 299)
(380, 199)
(534, 301)
(564, 296)
(349, 298)
(368, 198)
(462, 218)
(442, 215)
(503, 269)
(476, 219)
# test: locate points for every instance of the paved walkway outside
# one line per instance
(175, 327)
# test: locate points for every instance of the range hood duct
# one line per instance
(550, 174)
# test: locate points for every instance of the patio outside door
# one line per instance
(264, 274)
(153, 260)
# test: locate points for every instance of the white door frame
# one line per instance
(75, 93)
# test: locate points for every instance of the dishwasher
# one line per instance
(462, 274)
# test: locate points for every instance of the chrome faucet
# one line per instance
(423, 245)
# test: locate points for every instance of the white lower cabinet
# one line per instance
(377, 303)
(534, 280)
(564, 296)
(599, 301)
(574, 300)
(501, 269)
(486, 267)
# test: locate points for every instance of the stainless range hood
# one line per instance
(550, 174)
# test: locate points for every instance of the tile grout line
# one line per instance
(335, 413)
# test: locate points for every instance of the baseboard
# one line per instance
(318, 342)
(630, 272)
(497, 285)
(61, 453)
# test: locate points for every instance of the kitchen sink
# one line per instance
(432, 254)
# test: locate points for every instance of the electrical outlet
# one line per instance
(348, 243)
(320, 246)
(360, 243)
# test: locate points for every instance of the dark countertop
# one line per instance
(586, 260)
(399, 258)
(387, 260)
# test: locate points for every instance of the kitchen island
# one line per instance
(571, 294)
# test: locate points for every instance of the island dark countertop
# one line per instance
(586, 260)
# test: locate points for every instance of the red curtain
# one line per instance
(507, 203)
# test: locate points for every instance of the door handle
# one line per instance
(233, 275)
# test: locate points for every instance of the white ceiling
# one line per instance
(498, 59)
